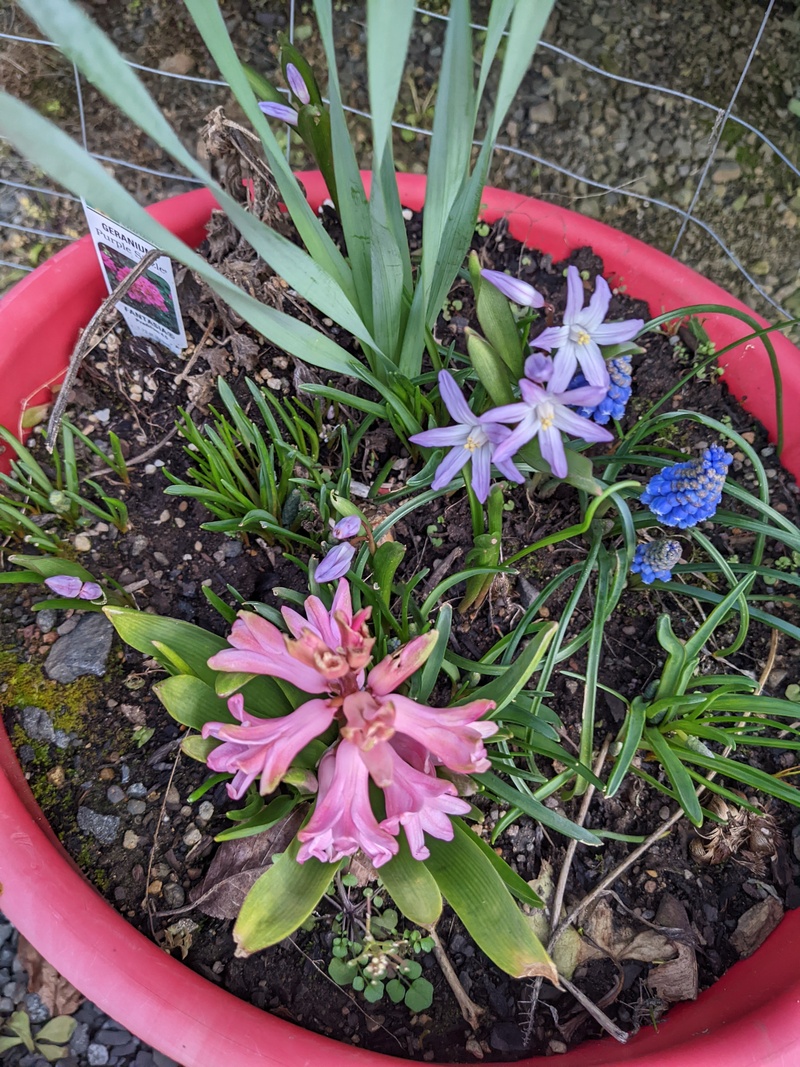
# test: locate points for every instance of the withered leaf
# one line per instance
(55, 992)
(676, 979)
(605, 934)
(238, 864)
(756, 925)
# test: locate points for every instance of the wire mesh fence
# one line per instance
(677, 126)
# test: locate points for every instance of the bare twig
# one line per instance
(87, 342)
(146, 902)
(596, 1013)
(469, 1009)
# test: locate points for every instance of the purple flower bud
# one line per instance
(336, 563)
(297, 83)
(514, 288)
(347, 527)
(68, 585)
(282, 112)
(539, 368)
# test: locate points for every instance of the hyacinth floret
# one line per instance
(384, 736)
(613, 404)
(655, 560)
(685, 494)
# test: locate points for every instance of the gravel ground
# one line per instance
(637, 141)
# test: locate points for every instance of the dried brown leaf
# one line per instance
(607, 935)
(676, 979)
(756, 925)
(55, 992)
(238, 864)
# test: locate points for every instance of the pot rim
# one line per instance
(749, 1018)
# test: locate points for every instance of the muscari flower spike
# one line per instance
(685, 494)
(655, 560)
(613, 404)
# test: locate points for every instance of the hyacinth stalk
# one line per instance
(384, 736)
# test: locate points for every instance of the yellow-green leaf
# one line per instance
(412, 886)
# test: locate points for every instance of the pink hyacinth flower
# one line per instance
(339, 629)
(264, 748)
(259, 647)
(421, 804)
(343, 820)
(452, 735)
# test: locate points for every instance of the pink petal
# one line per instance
(343, 820)
(266, 747)
(260, 648)
(395, 669)
(451, 734)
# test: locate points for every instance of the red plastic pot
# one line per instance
(750, 1018)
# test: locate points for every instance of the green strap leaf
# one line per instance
(517, 886)
(678, 775)
(530, 806)
(191, 702)
(504, 688)
(634, 724)
(281, 900)
(388, 32)
(479, 897)
(412, 886)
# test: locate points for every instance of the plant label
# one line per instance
(150, 308)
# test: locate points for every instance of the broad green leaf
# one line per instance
(497, 320)
(677, 774)
(527, 24)
(197, 747)
(58, 1030)
(478, 895)
(490, 368)
(281, 900)
(269, 814)
(388, 31)
(43, 144)
(191, 702)
(419, 995)
(504, 688)
(47, 567)
(385, 562)
(412, 886)
(194, 645)
(86, 45)
(517, 886)
(9, 1042)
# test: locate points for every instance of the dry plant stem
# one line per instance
(146, 902)
(469, 1009)
(86, 343)
(595, 1012)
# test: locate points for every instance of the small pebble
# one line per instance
(137, 807)
(115, 795)
(130, 841)
(82, 543)
(97, 1055)
(192, 837)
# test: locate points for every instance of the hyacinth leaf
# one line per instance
(47, 567)
(485, 552)
(412, 886)
(517, 886)
(497, 320)
(267, 816)
(86, 45)
(490, 368)
(229, 682)
(478, 895)
(385, 562)
(199, 748)
(624, 348)
(388, 32)
(677, 774)
(538, 811)
(191, 643)
(45, 145)
(527, 25)
(503, 688)
(353, 205)
(191, 702)
(281, 900)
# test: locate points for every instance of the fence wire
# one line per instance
(690, 217)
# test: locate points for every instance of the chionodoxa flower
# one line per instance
(383, 735)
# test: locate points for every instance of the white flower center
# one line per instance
(477, 439)
(579, 335)
(546, 413)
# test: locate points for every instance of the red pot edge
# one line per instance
(749, 1018)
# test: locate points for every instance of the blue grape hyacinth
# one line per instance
(613, 404)
(656, 560)
(687, 493)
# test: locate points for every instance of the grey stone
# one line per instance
(542, 113)
(46, 620)
(174, 895)
(160, 1060)
(137, 807)
(79, 1042)
(115, 795)
(137, 789)
(96, 1055)
(37, 724)
(140, 543)
(62, 739)
(112, 1037)
(6, 1005)
(104, 827)
(727, 171)
(84, 651)
(37, 1011)
(144, 1058)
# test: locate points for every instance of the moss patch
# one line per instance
(26, 683)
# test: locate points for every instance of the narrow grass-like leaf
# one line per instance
(546, 816)
(676, 772)
(503, 689)
(634, 725)
(388, 31)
